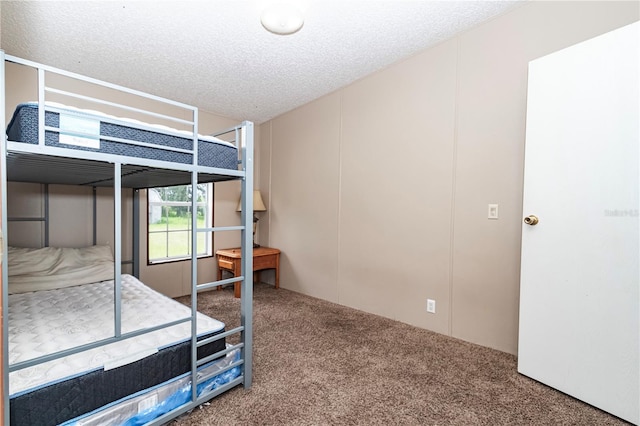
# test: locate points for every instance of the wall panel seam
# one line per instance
(454, 171)
(269, 184)
(338, 222)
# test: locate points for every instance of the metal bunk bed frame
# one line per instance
(243, 138)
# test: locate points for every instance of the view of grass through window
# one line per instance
(169, 224)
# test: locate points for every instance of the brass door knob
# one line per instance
(531, 220)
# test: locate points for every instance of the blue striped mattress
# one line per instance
(212, 152)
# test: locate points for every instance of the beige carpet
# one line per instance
(318, 363)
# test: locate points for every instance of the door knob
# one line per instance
(531, 220)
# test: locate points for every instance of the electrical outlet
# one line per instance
(493, 211)
(431, 306)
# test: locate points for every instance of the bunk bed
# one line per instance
(83, 343)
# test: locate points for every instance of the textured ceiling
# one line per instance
(216, 55)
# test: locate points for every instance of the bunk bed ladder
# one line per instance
(244, 134)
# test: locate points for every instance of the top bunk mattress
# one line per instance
(94, 131)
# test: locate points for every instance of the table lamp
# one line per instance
(258, 206)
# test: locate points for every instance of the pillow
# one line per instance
(54, 267)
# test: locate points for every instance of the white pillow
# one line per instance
(54, 267)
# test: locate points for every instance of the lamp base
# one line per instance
(255, 226)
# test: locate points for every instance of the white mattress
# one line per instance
(45, 322)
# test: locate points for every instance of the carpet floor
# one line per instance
(319, 363)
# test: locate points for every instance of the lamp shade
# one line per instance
(258, 204)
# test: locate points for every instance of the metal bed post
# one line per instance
(194, 264)
(94, 193)
(46, 214)
(246, 302)
(3, 248)
(41, 95)
(117, 248)
(136, 233)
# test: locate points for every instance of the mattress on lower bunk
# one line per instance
(147, 405)
(23, 127)
(47, 321)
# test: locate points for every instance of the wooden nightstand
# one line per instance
(263, 258)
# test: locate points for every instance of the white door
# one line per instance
(579, 317)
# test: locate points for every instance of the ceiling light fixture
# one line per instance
(282, 19)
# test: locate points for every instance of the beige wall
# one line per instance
(378, 193)
(70, 217)
(71, 207)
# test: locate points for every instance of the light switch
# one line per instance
(493, 211)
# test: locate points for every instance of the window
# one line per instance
(169, 222)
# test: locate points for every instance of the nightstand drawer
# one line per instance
(225, 264)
